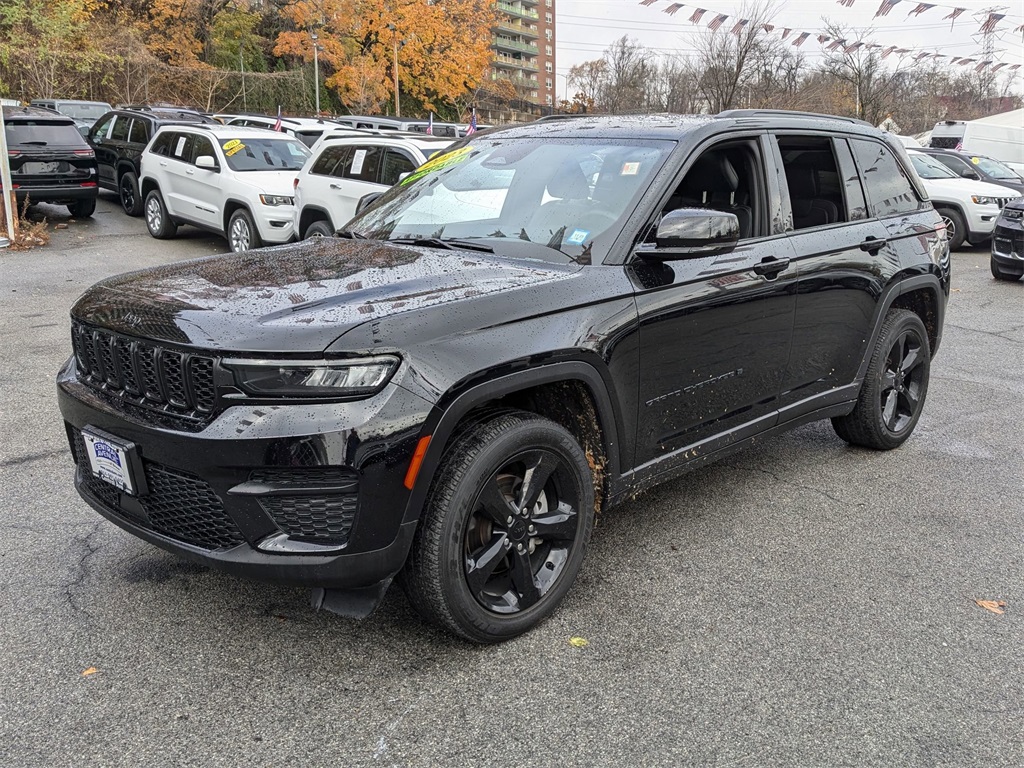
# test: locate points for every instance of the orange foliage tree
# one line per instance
(442, 48)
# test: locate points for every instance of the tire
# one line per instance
(1003, 274)
(956, 227)
(894, 390)
(128, 191)
(482, 566)
(83, 209)
(319, 228)
(242, 232)
(158, 221)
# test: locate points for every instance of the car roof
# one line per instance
(397, 137)
(291, 122)
(232, 131)
(35, 113)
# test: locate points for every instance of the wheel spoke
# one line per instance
(910, 400)
(481, 564)
(558, 524)
(523, 580)
(495, 504)
(911, 358)
(889, 409)
(888, 380)
(539, 467)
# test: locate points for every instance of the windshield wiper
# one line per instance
(36, 143)
(350, 234)
(449, 243)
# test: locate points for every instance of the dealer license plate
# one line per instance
(110, 460)
(36, 168)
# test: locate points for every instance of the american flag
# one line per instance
(799, 40)
(959, 146)
(697, 16)
(953, 16)
(997, 67)
(983, 64)
(277, 125)
(885, 7)
(738, 26)
(887, 51)
(768, 27)
(648, 2)
(991, 21)
(430, 124)
(921, 8)
(823, 39)
(717, 22)
(472, 123)
(786, 31)
(847, 3)
(965, 62)
(853, 47)
(836, 44)
(1014, 67)
(673, 9)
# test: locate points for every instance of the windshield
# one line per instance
(929, 168)
(83, 111)
(561, 200)
(995, 169)
(264, 154)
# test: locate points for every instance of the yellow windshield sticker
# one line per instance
(437, 163)
(975, 160)
(233, 147)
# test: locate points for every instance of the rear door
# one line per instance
(174, 181)
(201, 187)
(357, 174)
(106, 154)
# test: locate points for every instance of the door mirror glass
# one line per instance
(690, 232)
(205, 161)
(967, 173)
(366, 201)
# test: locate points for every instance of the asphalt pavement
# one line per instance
(801, 603)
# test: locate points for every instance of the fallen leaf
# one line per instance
(62, 225)
(996, 606)
(955, 290)
(93, 670)
(579, 642)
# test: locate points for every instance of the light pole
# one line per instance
(394, 66)
(316, 70)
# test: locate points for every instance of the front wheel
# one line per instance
(158, 222)
(128, 192)
(956, 227)
(504, 529)
(894, 389)
(242, 232)
(319, 229)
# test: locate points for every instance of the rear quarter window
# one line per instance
(886, 185)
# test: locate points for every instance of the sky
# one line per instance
(586, 27)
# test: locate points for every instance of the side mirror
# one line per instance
(967, 173)
(207, 162)
(693, 232)
(404, 176)
(366, 201)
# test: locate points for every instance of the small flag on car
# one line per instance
(472, 123)
(277, 123)
(430, 124)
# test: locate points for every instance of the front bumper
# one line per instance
(981, 220)
(307, 494)
(1008, 246)
(276, 223)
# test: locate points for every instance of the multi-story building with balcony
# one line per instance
(523, 42)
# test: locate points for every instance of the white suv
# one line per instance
(344, 168)
(233, 181)
(969, 208)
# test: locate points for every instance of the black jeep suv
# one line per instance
(526, 330)
(119, 138)
(50, 161)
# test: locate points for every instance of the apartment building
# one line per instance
(524, 49)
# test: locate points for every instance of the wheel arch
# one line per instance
(311, 213)
(148, 185)
(124, 166)
(570, 393)
(230, 206)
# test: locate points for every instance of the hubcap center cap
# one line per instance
(517, 531)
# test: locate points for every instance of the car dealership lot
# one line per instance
(800, 603)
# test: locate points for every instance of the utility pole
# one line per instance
(316, 70)
(241, 62)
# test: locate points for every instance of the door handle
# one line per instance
(163, 164)
(335, 186)
(770, 267)
(873, 244)
(191, 171)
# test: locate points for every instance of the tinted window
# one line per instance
(181, 147)
(954, 164)
(43, 133)
(100, 131)
(121, 126)
(395, 163)
(888, 189)
(331, 161)
(363, 164)
(856, 206)
(162, 144)
(812, 177)
(139, 133)
(201, 145)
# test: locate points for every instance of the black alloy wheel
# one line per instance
(128, 191)
(894, 389)
(504, 530)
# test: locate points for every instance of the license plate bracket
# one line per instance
(114, 461)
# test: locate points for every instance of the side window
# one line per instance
(139, 133)
(331, 161)
(365, 125)
(955, 164)
(856, 206)
(730, 178)
(181, 147)
(888, 189)
(201, 145)
(395, 163)
(162, 144)
(813, 179)
(100, 131)
(121, 126)
(363, 164)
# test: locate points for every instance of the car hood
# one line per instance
(961, 188)
(269, 182)
(296, 298)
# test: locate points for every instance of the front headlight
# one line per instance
(277, 200)
(982, 200)
(360, 377)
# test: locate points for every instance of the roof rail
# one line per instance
(790, 113)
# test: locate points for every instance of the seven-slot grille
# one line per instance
(145, 374)
(1002, 201)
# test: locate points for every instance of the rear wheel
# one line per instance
(158, 222)
(319, 229)
(242, 233)
(1000, 272)
(128, 191)
(504, 529)
(83, 209)
(894, 389)
(956, 227)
